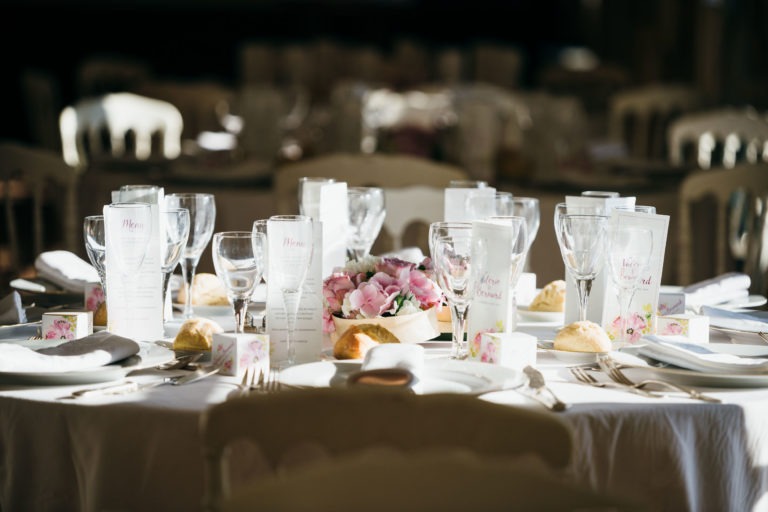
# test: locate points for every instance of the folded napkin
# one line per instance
(96, 350)
(717, 290)
(699, 357)
(753, 321)
(411, 254)
(406, 356)
(12, 310)
(66, 269)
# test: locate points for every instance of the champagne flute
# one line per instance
(202, 218)
(290, 258)
(238, 257)
(260, 226)
(581, 236)
(95, 246)
(366, 216)
(175, 234)
(453, 272)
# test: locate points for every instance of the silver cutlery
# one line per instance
(583, 376)
(538, 385)
(611, 367)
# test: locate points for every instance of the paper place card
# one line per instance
(671, 303)
(694, 328)
(492, 309)
(332, 213)
(67, 325)
(511, 349)
(645, 301)
(457, 205)
(308, 335)
(133, 272)
(233, 352)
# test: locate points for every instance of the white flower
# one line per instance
(409, 306)
(367, 264)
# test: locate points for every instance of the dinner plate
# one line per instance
(526, 315)
(150, 355)
(638, 368)
(568, 356)
(208, 311)
(439, 376)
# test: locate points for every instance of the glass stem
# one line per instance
(625, 299)
(188, 266)
(103, 279)
(241, 308)
(166, 280)
(291, 301)
(458, 316)
(584, 286)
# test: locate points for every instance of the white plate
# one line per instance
(637, 370)
(440, 376)
(150, 354)
(751, 301)
(527, 315)
(568, 356)
(208, 311)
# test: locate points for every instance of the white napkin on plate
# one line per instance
(66, 269)
(96, 350)
(717, 290)
(12, 310)
(752, 321)
(698, 357)
(407, 356)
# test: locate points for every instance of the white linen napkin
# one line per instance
(411, 254)
(407, 356)
(96, 350)
(699, 357)
(753, 321)
(717, 290)
(66, 269)
(12, 310)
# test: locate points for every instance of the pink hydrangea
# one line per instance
(424, 289)
(60, 330)
(335, 289)
(635, 326)
(370, 300)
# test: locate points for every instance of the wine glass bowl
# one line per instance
(238, 257)
(366, 216)
(95, 246)
(453, 273)
(173, 241)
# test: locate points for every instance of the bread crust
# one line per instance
(582, 336)
(196, 334)
(551, 298)
(207, 290)
(359, 339)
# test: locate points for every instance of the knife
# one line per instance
(537, 383)
(130, 386)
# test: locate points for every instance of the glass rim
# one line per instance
(292, 218)
(238, 234)
(189, 194)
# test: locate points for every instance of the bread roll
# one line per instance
(551, 298)
(207, 290)
(359, 339)
(583, 336)
(196, 334)
(100, 315)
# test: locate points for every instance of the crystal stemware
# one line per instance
(581, 236)
(176, 233)
(238, 257)
(290, 259)
(95, 246)
(528, 208)
(516, 252)
(366, 216)
(445, 228)
(309, 194)
(453, 272)
(202, 218)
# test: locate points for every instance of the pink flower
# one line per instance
(94, 300)
(328, 325)
(60, 330)
(394, 266)
(335, 288)
(386, 282)
(370, 300)
(673, 329)
(424, 289)
(635, 327)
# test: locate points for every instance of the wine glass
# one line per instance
(176, 233)
(260, 226)
(517, 250)
(238, 257)
(482, 205)
(581, 235)
(629, 254)
(202, 218)
(309, 194)
(290, 258)
(445, 228)
(453, 272)
(95, 246)
(366, 216)
(528, 208)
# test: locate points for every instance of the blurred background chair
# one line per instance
(39, 193)
(409, 205)
(639, 117)
(497, 64)
(103, 74)
(719, 137)
(349, 421)
(42, 101)
(706, 206)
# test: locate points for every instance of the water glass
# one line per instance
(366, 216)
(309, 194)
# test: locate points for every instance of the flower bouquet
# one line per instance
(398, 295)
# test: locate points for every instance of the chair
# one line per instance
(719, 137)
(640, 116)
(321, 424)
(717, 186)
(497, 64)
(401, 212)
(41, 174)
(123, 116)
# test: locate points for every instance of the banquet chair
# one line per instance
(401, 213)
(701, 255)
(42, 175)
(298, 429)
(718, 138)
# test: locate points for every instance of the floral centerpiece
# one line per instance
(399, 295)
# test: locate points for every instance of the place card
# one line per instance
(492, 308)
(643, 310)
(234, 353)
(510, 349)
(67, 325)
(308, 335)
(694, 328)
(456, 207)
(671, 303)
(334, 217)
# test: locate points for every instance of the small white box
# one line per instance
(511, 349)
(525, 290)
(671, 303)
(235, 352)
(694, 328)
(93, 296)
(67, 325)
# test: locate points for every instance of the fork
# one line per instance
(610, 367)
(582, 376)
(250, 378)
(270, 383)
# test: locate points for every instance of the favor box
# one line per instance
(93, 296)
(67, 325)
(233, 352)
(695, 328)
(511, 349)
(671, 303)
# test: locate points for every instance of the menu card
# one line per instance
(308, 335)
(457, 204)
(492, 309)
(134, 303)
(643, 310)
(332, 213)
(600, 283)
